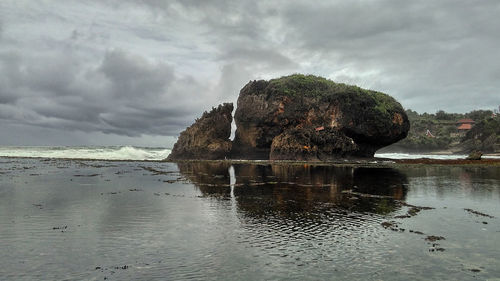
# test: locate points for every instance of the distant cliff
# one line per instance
(441, 131)
(299, 117)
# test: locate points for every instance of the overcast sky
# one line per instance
(77, 72)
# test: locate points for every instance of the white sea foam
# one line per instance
(86, 152)
(147, 153)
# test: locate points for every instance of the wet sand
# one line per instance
(227, 220)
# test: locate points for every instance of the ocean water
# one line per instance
(145, 153)
(131, 220)
(86, 152)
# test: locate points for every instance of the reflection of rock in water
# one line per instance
(291, 189)
(288, 189)
(380, 181)
(212, 178)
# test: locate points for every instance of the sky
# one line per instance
(124, 72)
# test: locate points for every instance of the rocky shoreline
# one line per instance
(338, 162)
(372, 162)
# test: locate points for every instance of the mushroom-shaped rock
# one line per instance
(311, 118)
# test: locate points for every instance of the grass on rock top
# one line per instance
(315, 86)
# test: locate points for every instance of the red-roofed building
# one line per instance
(464, 125)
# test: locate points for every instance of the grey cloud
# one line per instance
(426, 53)
(135, 68)
(220, 22)
(257, 55)
(6, 98)
(133, 77)
(35, 135)
(131, 97)
(334, 25)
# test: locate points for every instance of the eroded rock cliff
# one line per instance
(207, 138)
(301, 117)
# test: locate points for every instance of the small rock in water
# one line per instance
(475, 270)
(475, 155)
(387, 224)
(122, 267)
(433, 238)
(60, 227)
(478, 213)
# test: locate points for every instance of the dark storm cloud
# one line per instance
(133, 78)
(123, 95)
(425, 53)
(135, 68)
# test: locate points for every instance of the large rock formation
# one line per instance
(207, 138)
(302, 117)
(297, 117)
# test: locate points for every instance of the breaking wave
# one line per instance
(145, 153)
(86, 152)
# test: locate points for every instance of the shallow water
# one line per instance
(92, 220)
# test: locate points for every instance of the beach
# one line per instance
(213, 220)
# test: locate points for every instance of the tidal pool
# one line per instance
(96, 220)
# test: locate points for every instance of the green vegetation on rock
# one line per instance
(314, 86)
(306, 85)
(385, 103)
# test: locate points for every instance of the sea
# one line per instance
(135, 153)
(138, 153)
(71, 213)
